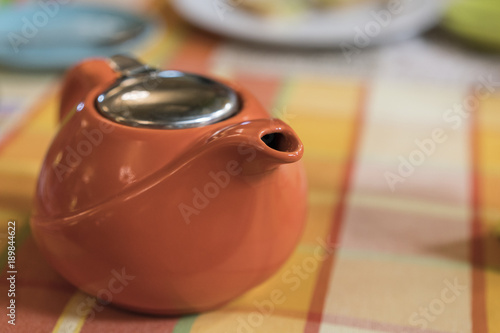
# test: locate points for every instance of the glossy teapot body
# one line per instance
(167, 221)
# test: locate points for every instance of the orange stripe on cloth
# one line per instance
(35, 110)
(315, 314)
(265, 89)
(486, 224)
(479, 320)
(195, 54)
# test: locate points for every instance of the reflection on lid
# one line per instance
(168, 100)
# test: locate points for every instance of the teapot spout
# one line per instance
(263, 144)
(278, 142)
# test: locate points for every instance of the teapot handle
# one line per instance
(81, 79)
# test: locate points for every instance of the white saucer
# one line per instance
(316, 29)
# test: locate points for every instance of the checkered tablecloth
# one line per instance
(403, 161)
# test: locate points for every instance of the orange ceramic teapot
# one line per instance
(166, 192)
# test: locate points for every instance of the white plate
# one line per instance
(356, 26)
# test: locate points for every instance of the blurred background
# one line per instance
(449, 39)
(397, 104)
(52, 35)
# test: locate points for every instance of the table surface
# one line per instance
(402, 160)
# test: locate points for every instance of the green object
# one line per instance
(185, 324)
(475, 20)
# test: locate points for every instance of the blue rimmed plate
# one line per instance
(54, 37)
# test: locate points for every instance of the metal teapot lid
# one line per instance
(148, 98)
